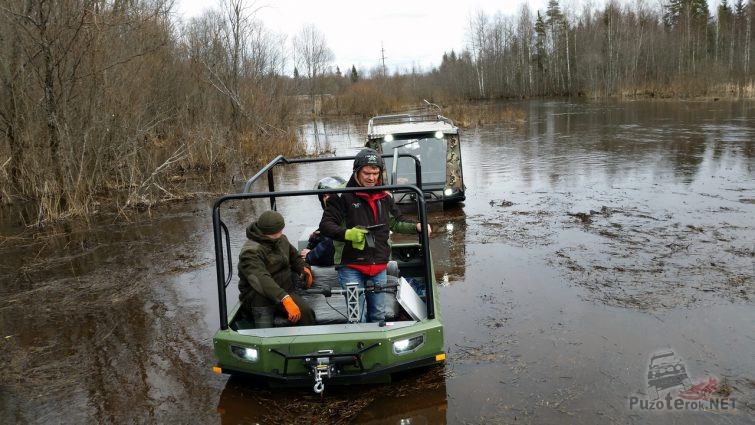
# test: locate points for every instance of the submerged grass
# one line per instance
(166, 171)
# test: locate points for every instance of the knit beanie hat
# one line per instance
(368, 156)
(270, 222)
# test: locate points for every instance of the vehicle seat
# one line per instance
(393, 308)
(392, 269)
(328, 310)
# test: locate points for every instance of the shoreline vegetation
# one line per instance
(116, 107)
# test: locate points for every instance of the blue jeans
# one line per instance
(376, 302)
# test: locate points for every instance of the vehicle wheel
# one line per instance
(687, 384)
(653, 393)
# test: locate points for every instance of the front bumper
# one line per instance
(377, 374)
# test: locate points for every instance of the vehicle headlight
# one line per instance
(388, 137)
(438, 134)
(408, 345)
(448, 192)
(245, 353)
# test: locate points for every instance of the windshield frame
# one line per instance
(430, 150)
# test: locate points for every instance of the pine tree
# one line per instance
(555, 24)
(688, 21)
(723, 24)
(540, 42)
(540, 30)
(739, 8)
(354, 75)
(679, 10)
(553, 12)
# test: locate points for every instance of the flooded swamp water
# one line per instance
(593, 236)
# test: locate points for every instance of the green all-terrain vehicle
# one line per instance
(434, 139)
(338, 349)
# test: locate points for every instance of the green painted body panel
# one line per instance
(373, 359)
(382, 356)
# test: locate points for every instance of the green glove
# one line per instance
(356, 236)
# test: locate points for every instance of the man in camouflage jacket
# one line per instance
(269, 268)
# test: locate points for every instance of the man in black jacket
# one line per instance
(346, 220)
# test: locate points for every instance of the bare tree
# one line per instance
(526, 32)
(223, 36)
(478, 27)
(314, 56)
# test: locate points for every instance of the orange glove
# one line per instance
(306, 278)
(294, 314)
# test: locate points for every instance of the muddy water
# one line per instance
(593, 236)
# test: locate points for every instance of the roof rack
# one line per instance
(429, 112)
(407, 118)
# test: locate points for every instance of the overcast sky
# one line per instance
(411, 32)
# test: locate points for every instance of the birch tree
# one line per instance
(314, 56)
(478, 25)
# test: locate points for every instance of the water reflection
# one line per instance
(333, 136)
(91, 326)
(564, 142)
(414, 398)
(553, 305)
(448, 244)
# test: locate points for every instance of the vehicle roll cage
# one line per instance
(220, 230)
(407, 118)
(427, 112)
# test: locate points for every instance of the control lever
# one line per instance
(369, 238)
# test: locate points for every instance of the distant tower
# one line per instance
(382, 57)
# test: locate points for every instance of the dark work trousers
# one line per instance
(264, 311)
